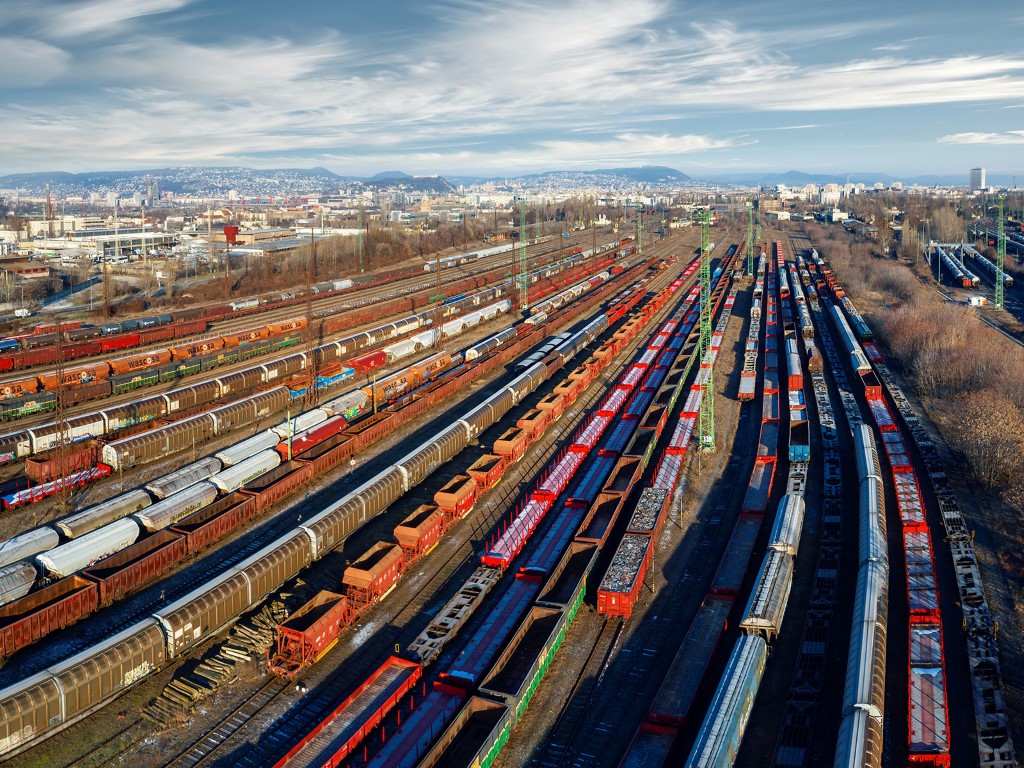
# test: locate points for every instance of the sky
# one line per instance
(462, 87)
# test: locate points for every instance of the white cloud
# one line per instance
(27, 63)
(107, 16)
(1006, 137)
(573, 82)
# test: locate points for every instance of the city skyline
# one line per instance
(466, 87)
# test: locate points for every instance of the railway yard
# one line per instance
(378, 526)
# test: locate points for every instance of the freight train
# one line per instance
(107, 421)
(39, 347)
(35, 394)
(36, 708)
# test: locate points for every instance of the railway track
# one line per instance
(354, 298)
(28, 422)
(288, 730)
(399, 629)
(263, 536)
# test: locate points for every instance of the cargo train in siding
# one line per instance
(36, 708)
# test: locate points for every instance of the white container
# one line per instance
(99, 515)
(185, 477)
(90, 548)
(400, 350)
(233, 478)
(339, 285)
(348, 405)
(28, 544)
(300, 423)
(174, 507)
(241, 451)
(16, 580)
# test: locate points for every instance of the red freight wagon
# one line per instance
(124, 341)
(420, 531)
(31, 618)
(369, 361)
(45, 467)
(330, 453)
(207, 525)
(188, 328)
(80, 349)
(512, 444)
(197, 348)
(311, 438)
(120, 366)
(487, 470)
(456, 497)
(134, 567)
(278, 483)
(153, 335)
(624, 579)
(374, 574)
(310, 632)
(341, 732)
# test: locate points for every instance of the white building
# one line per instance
(977, 179)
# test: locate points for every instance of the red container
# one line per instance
(373, 575)
(123, 341)
(487, 470)
(369, 430)
(219, 310)
(512, 444)
(33, 357)
(330, 453)
(31, 618)
(153, 335)
(207, 525)
(456, 497)
(310, 632)
(357, 716)
(44, 467)
(6, 363)
(420, 531)
(624, 580)
(81, 349)
(188, 327)
(138, 565)
(278, 483)
(311, 438)
(368, 362)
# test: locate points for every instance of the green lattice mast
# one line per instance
(706, 420)
(640, 229)
(750, 237)
(524, 299)
(1000, 256)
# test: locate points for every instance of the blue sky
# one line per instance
(468, 86)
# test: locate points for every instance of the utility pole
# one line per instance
(750, 237)
(61, 422)
(524, 297)
(706, 419)
(640, 229)
(439, 312)
(1000, 256)
(312, 357)
(359, 245)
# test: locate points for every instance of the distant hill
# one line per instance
(644, 174)
(800, 178)
(388, 175)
